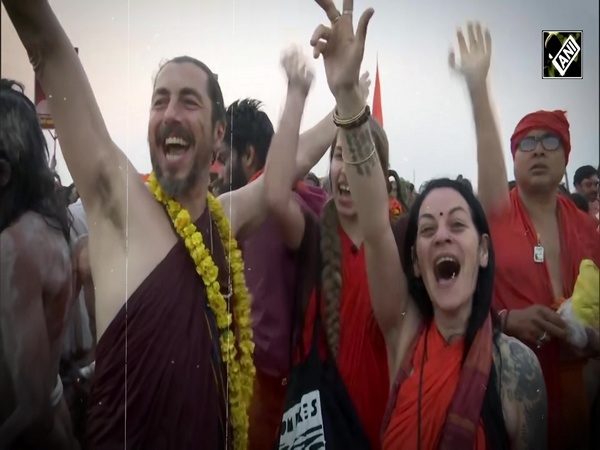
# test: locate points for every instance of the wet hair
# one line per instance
(31, 186)
(214, 88)
(331, 250)
(248, 126)
(491, 412)
(583, 173)
(580, 201)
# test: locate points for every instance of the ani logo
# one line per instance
(562, 54)
(302, 425)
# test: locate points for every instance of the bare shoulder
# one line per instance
(523, 393)
(32, 244)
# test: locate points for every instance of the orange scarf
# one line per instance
(451, 394)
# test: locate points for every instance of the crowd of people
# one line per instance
(267, 308)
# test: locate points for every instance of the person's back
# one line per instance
(37, 286)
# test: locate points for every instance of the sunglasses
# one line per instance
(549, 142)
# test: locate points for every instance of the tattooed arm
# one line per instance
(523, 395)
(367, 181)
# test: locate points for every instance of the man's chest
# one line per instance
(549, 249)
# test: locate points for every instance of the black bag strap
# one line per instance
(307, 257)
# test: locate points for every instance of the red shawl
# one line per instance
(451, 396)
(520, 282)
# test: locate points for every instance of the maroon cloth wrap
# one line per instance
(159, 379)
(554, 121)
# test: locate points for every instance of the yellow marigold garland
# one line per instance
(241, 370)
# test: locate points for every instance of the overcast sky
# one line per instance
(426, 112)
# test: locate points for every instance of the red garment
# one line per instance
(299, 185)
(441, 376)
(362, 360)
(556, 121)
(265, 412)
(520, 282)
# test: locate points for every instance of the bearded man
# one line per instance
(540, 238)
(159, 262)
(36, 283)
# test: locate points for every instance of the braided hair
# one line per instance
(331, 249)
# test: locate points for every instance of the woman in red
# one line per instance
(460, 384)
(350, 334)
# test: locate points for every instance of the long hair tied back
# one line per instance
(331, 249)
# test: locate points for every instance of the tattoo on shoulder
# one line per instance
(522, 384)
(360, 147)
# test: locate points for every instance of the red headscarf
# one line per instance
(555, 121)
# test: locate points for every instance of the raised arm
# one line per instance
(89, 152)
(281, 169)
(314, 142)
(474, 66)
(342, 51)
(24, 338)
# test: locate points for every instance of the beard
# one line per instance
(176, 187)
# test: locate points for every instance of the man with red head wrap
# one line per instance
(540, 239)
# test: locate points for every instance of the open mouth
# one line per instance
(446, 268)
(344, 189)
(175, 147)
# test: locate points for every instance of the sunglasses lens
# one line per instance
(550, 142)
(528, 144)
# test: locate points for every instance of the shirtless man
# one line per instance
(36, 283)
(131, 236)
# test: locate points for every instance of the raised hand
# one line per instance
(300, 75)
(474, 57)
(341, 47)
(365, 84)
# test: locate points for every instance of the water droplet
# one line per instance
(65, 99)
(172, 362)
(99, 403)
(198, 366)
(49, 95)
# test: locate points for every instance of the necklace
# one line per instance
(237, 346)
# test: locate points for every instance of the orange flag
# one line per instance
(377, 110)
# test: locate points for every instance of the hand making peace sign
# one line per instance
(341, 48)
